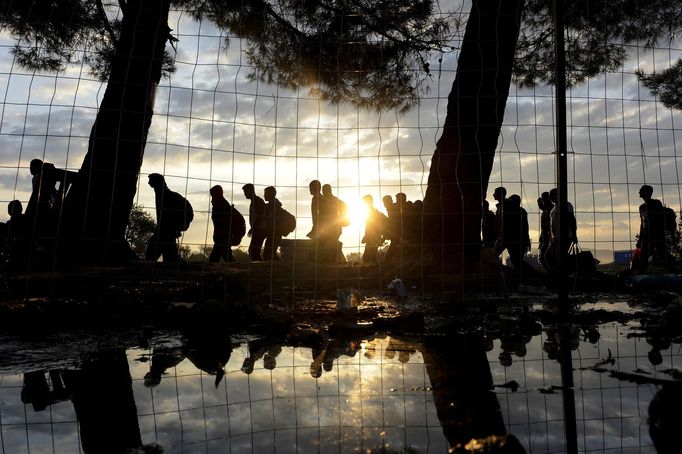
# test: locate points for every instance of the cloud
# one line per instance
(214, 126)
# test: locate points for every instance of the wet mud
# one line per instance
(492, 366)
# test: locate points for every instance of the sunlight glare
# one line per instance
(357, 213)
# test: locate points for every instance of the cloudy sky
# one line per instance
(214, 126)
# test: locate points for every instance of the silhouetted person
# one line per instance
(545, 204)
(390, 230)
(258, 225)
(403, 210)
(569, 224)
(4, 239)
(335, 217)
(171, 219)
(509, 227)
(228, 226)
(16, 232)
(274, 235)
(373, 238)
(488, 231)
(397, 226)
(320, 233)
(652, 234)
(315, 188)
(416, 224)
(43, 193)
(49, 185)
(525, 236)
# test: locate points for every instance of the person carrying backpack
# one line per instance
(652, 232)
(273, 237)
(229, 226)
(333, 220)
(174, 214)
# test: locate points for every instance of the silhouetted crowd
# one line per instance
(401, 229)
(18, 235)
(508, 229)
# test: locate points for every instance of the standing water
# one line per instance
(353, 395)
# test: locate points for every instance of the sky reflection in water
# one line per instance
(369, 393)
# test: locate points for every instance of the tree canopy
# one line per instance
(599, 34)
(372, 53)
(667, 85)
(368, 52)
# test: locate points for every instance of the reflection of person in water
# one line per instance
(162, 360)
(211, 355)
(37, 391)
(552, 344)
(318, 359)
(325, 355)
(657, 345)
(261, 349)
(513, 344)
(404, 349)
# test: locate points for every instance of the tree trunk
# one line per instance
(99, 203)
(463, 160)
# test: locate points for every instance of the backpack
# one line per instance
(669, 220)
(178, 212)
(187, 216)
(286, 222)
(238, 226)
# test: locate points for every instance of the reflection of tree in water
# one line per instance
(104, 403)
(460, 376)
(102, 395)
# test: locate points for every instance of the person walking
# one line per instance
(652, 233)
(373, 239)
(273, 236)
(257, 224)
(228, 226)
(173, 216)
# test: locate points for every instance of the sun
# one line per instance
(357, 212)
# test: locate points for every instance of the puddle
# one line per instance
(349, 395)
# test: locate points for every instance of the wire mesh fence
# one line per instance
(375, 393)
(369, 100)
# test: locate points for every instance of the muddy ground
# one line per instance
(65, 315)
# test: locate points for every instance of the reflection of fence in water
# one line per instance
(611, 413)
(365, 401)
(379, 395)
